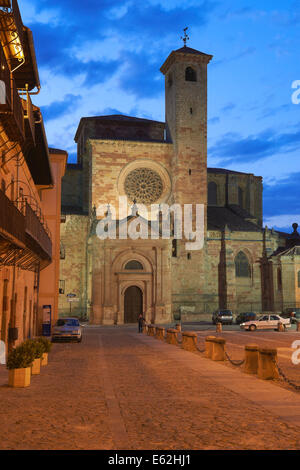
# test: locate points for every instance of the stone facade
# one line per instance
(162, 163)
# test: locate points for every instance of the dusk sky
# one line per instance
(99, 57)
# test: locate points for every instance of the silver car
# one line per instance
(67, 328)
(266, 322)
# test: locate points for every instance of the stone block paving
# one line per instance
(121, 390)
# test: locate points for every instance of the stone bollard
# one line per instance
(280, 326)
(172, 336)
(298, 326)
(189, 341)
(251, 359)
(178, 326)
(209, 346)
(218, 327)
(218, 350)
(267, 367)
(152, 330)
(160, 333)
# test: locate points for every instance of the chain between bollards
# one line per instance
(234, 363)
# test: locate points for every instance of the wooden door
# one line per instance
(133, 304)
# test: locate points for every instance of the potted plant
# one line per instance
(47, 345)
(37, 349)
(19, 363)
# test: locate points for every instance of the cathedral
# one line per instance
(241, 265)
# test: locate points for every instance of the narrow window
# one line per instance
(279, 279)
(242, 266)
(241, 197)
(174, 248)
(61, 286)
(212, 194)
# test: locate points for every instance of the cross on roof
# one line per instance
(185, 38)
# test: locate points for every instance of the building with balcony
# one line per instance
(30, 178)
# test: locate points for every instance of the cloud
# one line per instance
(245, 52)
(282, 222)
(279, 198)
(234, 148)
(59, 108)
(141, 75)
(269, 112)
(63, 45)
(229, 107)
(214, 120)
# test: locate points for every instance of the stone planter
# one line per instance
(36, 367)
(19, 377)
(44, 359)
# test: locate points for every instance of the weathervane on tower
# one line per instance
(185, 38)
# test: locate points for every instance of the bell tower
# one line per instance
(185, 72)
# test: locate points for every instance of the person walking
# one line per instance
(141, 320)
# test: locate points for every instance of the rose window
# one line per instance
(143, 185)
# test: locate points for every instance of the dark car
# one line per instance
(222, 316)
(67, 328)
(245, 316)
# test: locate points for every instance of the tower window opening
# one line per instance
(190, 171)
(191, 110)
(190, 75)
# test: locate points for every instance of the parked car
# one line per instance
(67, 328)
(266, 322)
(292, 313)
(244, 317)
(222, 316)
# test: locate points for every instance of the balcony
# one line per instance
(12, 224)
(11, 109)
(37, 238)
(11, 31)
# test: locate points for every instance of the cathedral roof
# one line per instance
(120, 118)
(226, 172)
(219, 217)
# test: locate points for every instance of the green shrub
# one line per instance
(20, 357)
(35, 346)
(47, 345)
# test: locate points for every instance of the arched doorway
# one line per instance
(133, 304)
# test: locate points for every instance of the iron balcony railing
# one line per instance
(11, 27)
(40, 241)
(11, 109)
(12, 222)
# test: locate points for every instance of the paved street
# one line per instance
(121, 390)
